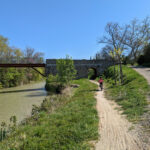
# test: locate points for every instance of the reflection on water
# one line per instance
(18, 101)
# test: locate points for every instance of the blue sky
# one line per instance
(60, 27)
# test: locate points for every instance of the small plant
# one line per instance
(3, 131)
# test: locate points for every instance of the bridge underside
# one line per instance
(21, 65)
(33, 66)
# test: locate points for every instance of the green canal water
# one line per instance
(18, 101)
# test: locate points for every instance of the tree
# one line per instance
(30, 56)
(18, 55)
(145, 57)
(138, 35)
(112, 54)
(103, 53)
(4, 48)
(66, 70)
(10, 77)
(115, 37)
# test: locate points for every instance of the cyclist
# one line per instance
(101, 83)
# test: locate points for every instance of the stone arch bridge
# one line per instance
(82, 67)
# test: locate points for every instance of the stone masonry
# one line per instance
(82, 67)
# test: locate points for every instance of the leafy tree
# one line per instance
(66, 70)
(113, 55)
(65, 74)
(18, 55)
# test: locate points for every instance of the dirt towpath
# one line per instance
(144, 125)
(113, 127)
(144, 72)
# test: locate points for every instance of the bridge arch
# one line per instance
(92, 73)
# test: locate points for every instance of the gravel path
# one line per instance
(113, 127)
(143, 71)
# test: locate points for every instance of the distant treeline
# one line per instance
(10, 77)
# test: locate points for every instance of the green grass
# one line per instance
(132, 95)
(71, 126)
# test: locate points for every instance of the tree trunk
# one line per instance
(119, 70)
(121, 73)
(115, 73)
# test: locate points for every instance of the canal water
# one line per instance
(18, 101)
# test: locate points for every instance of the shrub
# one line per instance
(65, 74)
(53, 85)
(141, 60)
(145, 58)
(66, 71)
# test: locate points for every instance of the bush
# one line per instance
(66, 71)
(146, 64)
(52, 84)
(141, 60)
(65, 74)
(145, 58)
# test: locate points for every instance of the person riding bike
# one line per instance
(101, 83)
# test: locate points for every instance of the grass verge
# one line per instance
(131, 95)
(61, 123)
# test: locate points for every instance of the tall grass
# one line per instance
(131, 95)
(70, 126)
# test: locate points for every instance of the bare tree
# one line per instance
(137, 36)
(30, 56)
(103, 53)
(116, 35)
